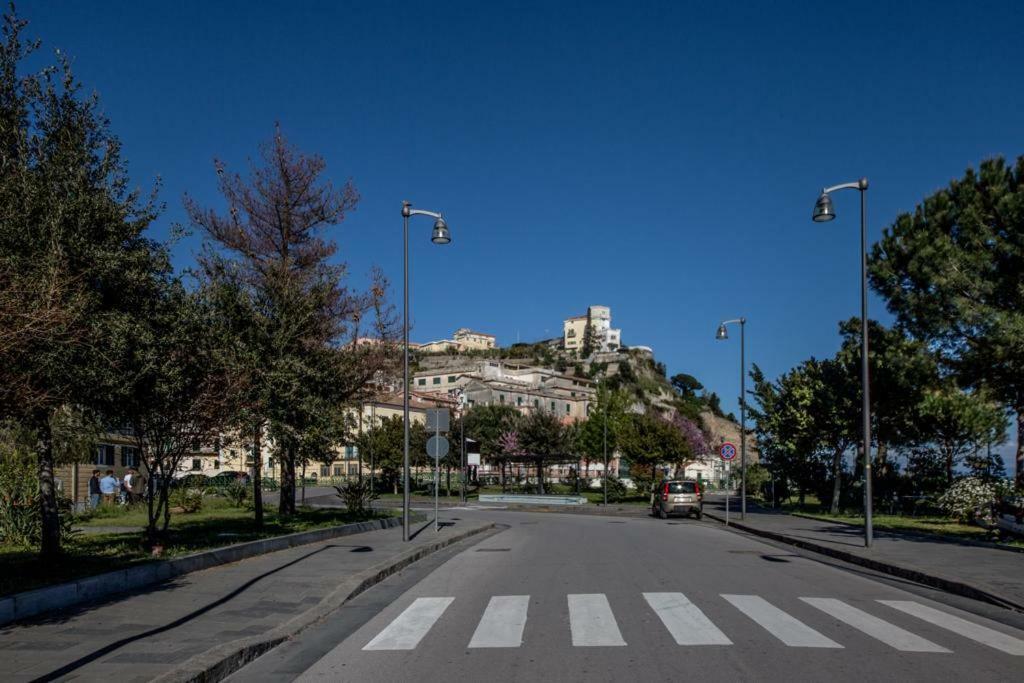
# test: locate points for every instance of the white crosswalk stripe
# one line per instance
(409, 627)
(502, 623)
(592, 622)
(967, 629)
(684, 620)
(789, 630)
(892, 635)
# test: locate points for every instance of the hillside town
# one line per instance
(468, 370)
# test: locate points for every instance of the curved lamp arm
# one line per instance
(861, 184)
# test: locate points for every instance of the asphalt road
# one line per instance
(584, 598)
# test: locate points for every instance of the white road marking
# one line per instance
(684, 620)
(790, 631)
(409, 627)
(967, 629)
(592, 621)
(502, 623)
(890, 634)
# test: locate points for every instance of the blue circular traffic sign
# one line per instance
(728, 451)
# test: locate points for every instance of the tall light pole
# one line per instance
(823, 212)
(724, 334)
(439, 236)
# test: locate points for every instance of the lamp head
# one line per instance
(441, 234)
(823, 211)
(722, 333)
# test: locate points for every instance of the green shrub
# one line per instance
(617, 491)
(236, 492)
(189, 498)
(20, 515)
(357, 495)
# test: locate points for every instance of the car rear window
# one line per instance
(682, 487)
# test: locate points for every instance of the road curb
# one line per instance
(927, 537)
(221, 661)
(942, 583)
(26, 604)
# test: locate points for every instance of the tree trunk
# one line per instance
(540, 476)
(949, 466)
(50, 515)
(257, 478)
(881, 457)
(1018, 458)
(501, 474)
(837, 479)
(448, 480)
(286, 504)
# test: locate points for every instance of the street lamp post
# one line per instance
(823, 212)
(439, 236)
(724, 334)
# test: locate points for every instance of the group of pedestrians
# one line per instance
(109, 490)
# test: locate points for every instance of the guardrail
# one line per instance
(520, 499)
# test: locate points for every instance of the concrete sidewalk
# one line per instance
(193, 622)
(973, 570)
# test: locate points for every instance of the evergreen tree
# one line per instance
(74, 261)
(951, 273)
(299, 323)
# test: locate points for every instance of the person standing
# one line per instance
(94, 490)
(108, 487)
(126, 486)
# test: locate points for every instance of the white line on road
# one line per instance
(784, 627)
(409, 627)
(502, 623)
(592, 621)
(976, 632)
(892, 635)
(684, 620)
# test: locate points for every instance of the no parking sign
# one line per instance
(728, 451)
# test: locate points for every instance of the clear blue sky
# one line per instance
(659, 158)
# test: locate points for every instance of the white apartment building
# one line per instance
(605, 338)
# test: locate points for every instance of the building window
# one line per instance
(572, 333)
(451, 378)
(353, 470)
(536, 401)
(519, 400)
(197, 464)
(472, 402)
(105, 455)
(325, 471)
(129, 456)
(422, 382)
(216, 463)
(567, 405)
(552, 406)
(350, 452)
(337, 470)
(501, 398)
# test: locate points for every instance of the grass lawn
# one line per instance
(217, 524)
(933, 525)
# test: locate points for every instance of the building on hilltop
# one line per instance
(469, 339)
(526, 387)
(603, 336)
(464, 339)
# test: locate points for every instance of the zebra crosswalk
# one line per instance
(592, 623)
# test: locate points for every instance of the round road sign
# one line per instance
(437, 447)
(728, 451)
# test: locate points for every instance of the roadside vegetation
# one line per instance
(92, 549)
